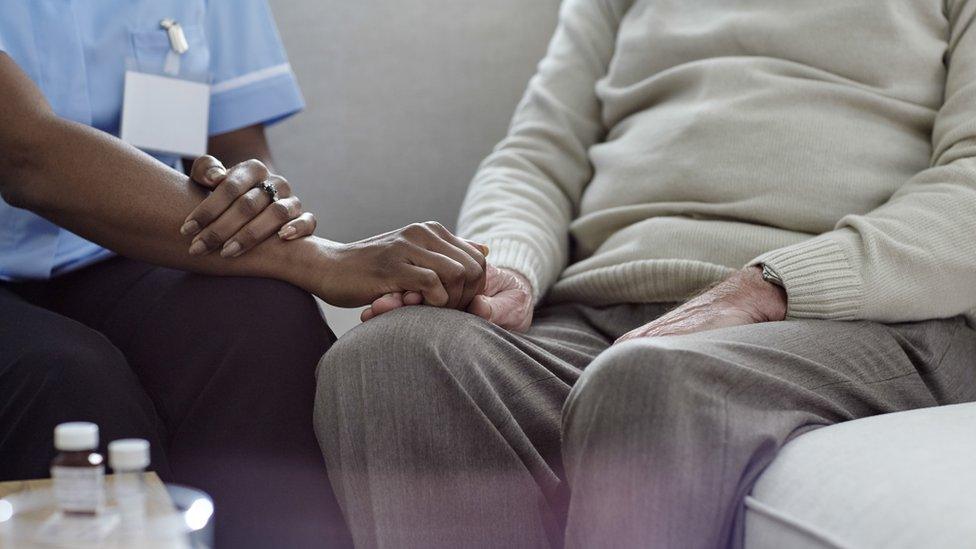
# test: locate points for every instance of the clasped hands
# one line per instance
(424, 264)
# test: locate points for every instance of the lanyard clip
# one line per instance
(177, 38)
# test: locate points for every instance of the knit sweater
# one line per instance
(663, 144)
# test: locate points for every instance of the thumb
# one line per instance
(208, 171)
(481, 247)
(481, 306)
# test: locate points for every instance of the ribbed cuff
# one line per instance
(819, 279)
(518, 256)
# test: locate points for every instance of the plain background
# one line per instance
(405, 98)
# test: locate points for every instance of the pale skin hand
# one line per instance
(506, 301)
(742, 299)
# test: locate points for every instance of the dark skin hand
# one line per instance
(110, 193)
(237, 216)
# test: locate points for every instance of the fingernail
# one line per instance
(484, 250)
(287, 233)
(231, 249)
(215, 173)
(190, 227)
(198, 247)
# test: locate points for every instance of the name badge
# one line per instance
(165, 115)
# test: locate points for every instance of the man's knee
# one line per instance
(402, 339)
(641, 382)
(408, 346)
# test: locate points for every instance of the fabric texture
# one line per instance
(442, 430)
(662, 145)
(216, 372)
(896, 481)
(78, 53)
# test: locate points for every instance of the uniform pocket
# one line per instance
(152, 49)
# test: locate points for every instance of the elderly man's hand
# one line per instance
(743, 298)
(506, 300)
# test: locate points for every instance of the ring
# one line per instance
(270, 188)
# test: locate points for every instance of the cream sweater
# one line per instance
(664, 143)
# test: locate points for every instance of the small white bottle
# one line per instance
(78, 471)
(129, 459)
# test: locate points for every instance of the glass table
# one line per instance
(170, 517)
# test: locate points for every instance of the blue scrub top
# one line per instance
(77, 52)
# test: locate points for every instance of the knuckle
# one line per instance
(282, 184)
(430, 280)
(249, 205)
(211, 239)
(246, 237)
(472, 274)
(412, 231)
(255, 166)
(433, 225)
(231, 189)
(281, 211)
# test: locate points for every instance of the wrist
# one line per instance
(768, 300)
(306, 262)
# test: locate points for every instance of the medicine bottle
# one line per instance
(128, 459)
(78, 471)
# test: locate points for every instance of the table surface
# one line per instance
(12, 487)
(158, 504)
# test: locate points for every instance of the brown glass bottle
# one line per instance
(78, 471)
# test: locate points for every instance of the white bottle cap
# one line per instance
(76, 436)
(128, 454)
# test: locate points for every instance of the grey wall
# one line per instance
(405, 97)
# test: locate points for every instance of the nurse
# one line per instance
(101, 316)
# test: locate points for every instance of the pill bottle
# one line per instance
(128, 459)
(78, 470)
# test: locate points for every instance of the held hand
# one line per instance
(744, 298)
(507, 300)
(239, 214)
(423, 259)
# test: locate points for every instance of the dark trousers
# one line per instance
(217, 373)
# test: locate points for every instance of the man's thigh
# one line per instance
(680, 427)
(862, 368)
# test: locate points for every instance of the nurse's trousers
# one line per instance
(217, 373)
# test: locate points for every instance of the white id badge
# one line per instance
(165, 115)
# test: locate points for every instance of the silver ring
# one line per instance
(270, 188)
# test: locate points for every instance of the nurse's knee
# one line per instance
(77, 361)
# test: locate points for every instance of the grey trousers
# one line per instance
(441, 430)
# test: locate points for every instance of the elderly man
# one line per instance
(799, 177)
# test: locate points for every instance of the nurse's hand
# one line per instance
(239, 214)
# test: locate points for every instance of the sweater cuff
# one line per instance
(819, 279)
(506, 253)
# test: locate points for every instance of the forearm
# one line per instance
(522, 199)
(114, 195)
